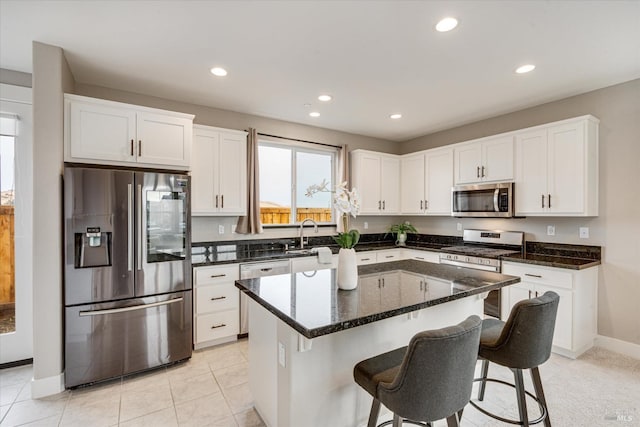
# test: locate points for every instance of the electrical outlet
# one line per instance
(459, 226)
(281, 355)
(221, 229)
(551, 230)
(584, 232)
(366, 225)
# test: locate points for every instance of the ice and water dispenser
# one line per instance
(92, 248)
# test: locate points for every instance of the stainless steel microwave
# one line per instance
(482, 200)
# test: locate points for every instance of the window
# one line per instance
(286, 171)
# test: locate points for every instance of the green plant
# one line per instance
(403, 228)
(348, 239)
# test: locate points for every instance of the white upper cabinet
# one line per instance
(219, 172)
(486, 160)
(557, 169)
(376, 176)
(426, 179)
(113, 133)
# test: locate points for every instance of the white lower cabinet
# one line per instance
(576, 322)
(216, 307)
(420, 255)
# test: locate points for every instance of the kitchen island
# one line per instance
(306, 334)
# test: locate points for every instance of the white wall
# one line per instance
(51, 78)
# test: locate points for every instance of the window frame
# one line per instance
(295, 147)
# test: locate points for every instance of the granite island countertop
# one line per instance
(312, 304)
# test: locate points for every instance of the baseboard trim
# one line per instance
(47, 386)
(16, 363)
(618, 346)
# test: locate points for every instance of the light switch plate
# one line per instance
(551, 230)
(366, 225)
(459, 226)
(221, 229)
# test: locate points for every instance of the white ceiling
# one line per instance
(374, 57)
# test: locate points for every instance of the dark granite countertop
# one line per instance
(215, 253)
(312, 304)
(559, 255)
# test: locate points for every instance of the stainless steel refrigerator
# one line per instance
(128, 297)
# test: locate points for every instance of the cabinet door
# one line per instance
(498, 159)
(468, 159)
(232, 175)
(390, 294)
(390, 185)
(566, 185)
(439, 180)
(163, 140)
(517, 293)
(531, 173)
(101, 132)
(412, 184)
(562, 333)
(203, 172)
(367, 170)
(412, 288)
(370, 288)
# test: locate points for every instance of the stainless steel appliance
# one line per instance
(482, 250)
(127, 284)
(251, 271)
(482, 200)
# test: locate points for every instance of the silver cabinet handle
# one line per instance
(384, 202)
(482, 174)
(139, 148)
(139, 220)
(478, 172)
(421, 203)
(131, 308)
(130, 223)
(221, 325)
(216, 200)
(543, 200)
(426, 205)
(213, 276)
(132, 147)
(222, 201)
(533, 275)
(218, 298)
(549, 195)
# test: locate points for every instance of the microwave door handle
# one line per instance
(496, 196)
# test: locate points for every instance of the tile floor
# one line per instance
(599, 389)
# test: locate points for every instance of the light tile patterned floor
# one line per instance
(599, 389)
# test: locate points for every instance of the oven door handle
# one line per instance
(496, 196)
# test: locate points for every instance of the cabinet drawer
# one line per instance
(389, 255)
(216, 275)
(418, 255)
(364, 258)
(216, 298)
(217, 325)
(541, 275)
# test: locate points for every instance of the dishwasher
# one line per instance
(251, 271)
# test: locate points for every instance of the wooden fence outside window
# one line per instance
(282, 215)
(7, 255)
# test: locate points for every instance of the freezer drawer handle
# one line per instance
(217, 298)
(213, 276)
(132, 308)
(221, 325)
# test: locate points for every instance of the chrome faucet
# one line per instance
(315, 230)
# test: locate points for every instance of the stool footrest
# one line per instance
(543, 410)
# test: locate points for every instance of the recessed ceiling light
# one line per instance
(217, 71)
(446, 24)
(314, 114)
(325, 98)
(395, 116)
(525, 68)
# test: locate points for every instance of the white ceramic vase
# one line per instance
(402, 238)
(347, 269)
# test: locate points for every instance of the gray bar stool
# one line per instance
(522, 342)
(429, 380)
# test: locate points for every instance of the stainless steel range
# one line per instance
(482, 250)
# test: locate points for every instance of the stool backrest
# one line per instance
(435, 378)
(525, 340)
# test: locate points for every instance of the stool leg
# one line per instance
(453, 421)
(522, 403)
(397, 422)
(483, 383)
(373, 415)
(537, 386)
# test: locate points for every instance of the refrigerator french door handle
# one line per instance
(125, 309)
(139, 224)
(129, 227)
